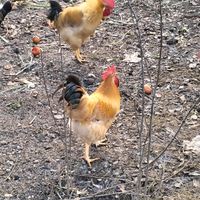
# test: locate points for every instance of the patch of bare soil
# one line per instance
(32, 152)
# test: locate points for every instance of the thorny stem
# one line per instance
(45, 86)
(133, 14)
(153, 98)
(65, 132)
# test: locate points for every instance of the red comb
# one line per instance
(110, 3)
(199, 54)
(110, 70)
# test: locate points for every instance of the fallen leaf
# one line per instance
(8, 66)
(14, 7)
(196, 183)
(59, 116)
(193, 145)
(158, 95)
(193, 65)
(8, 195)
(194, 173)
(132, 58)
(10, 74)
(10, 83)
(30, 84)
(122, 187)
(95, 185)
(194, 117)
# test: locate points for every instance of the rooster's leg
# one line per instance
(86, 156)
(101, 142)
(79, 57)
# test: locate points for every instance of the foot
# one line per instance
(79, 57)
(101, 142)
(89, 160)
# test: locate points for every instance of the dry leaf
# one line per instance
(132, 58)
(196, 183)
(8, 195)
(58, 116)
(193, 145)
(8, 66)
(30, 84)
(10, 83)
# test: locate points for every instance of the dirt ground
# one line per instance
(32, 152)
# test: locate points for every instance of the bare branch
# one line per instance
(133, 14)
(154, 92)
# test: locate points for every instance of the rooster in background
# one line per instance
(76, 24)
(7, 7)
(92, 115)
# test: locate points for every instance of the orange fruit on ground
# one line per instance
(36, 51)
(36, 39)
(147, 89)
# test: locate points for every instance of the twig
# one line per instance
(105, 177)
(133, 15)
(197, 15)
(59, 178)
(28, 65)
(14, 88)
(120, 39)
(118, 21)
(8, 177)
(32, 120)
(65, 132)
(21, 60)
(58, 194)
(163, 170)
(115, 193)
(176, 172)
(6, 41)
(45, 86)
(153, 98)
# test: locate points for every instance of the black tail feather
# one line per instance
(74, 79)
(7, 7)
(69, 93)
(54, 10)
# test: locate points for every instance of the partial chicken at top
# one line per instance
(7, 7)
(76, 24)
(92, 115)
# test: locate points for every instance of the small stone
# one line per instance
(16, 177)
(3, 142)
(192, 65)
(115, 163)
(8, 195)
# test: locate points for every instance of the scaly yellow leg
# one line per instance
(79, 57)
(86, 156)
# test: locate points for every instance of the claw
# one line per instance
(89, 160)
(79, 57)
(86, 156)
(101, 142)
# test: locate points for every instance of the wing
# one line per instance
(71, 16)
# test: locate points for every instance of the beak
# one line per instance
(104, 18)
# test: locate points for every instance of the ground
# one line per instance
(33, 163)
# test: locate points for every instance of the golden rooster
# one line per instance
(92, 115)
(76, 24)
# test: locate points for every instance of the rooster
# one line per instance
(92, 115)
(7, 7)
(76, 24)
